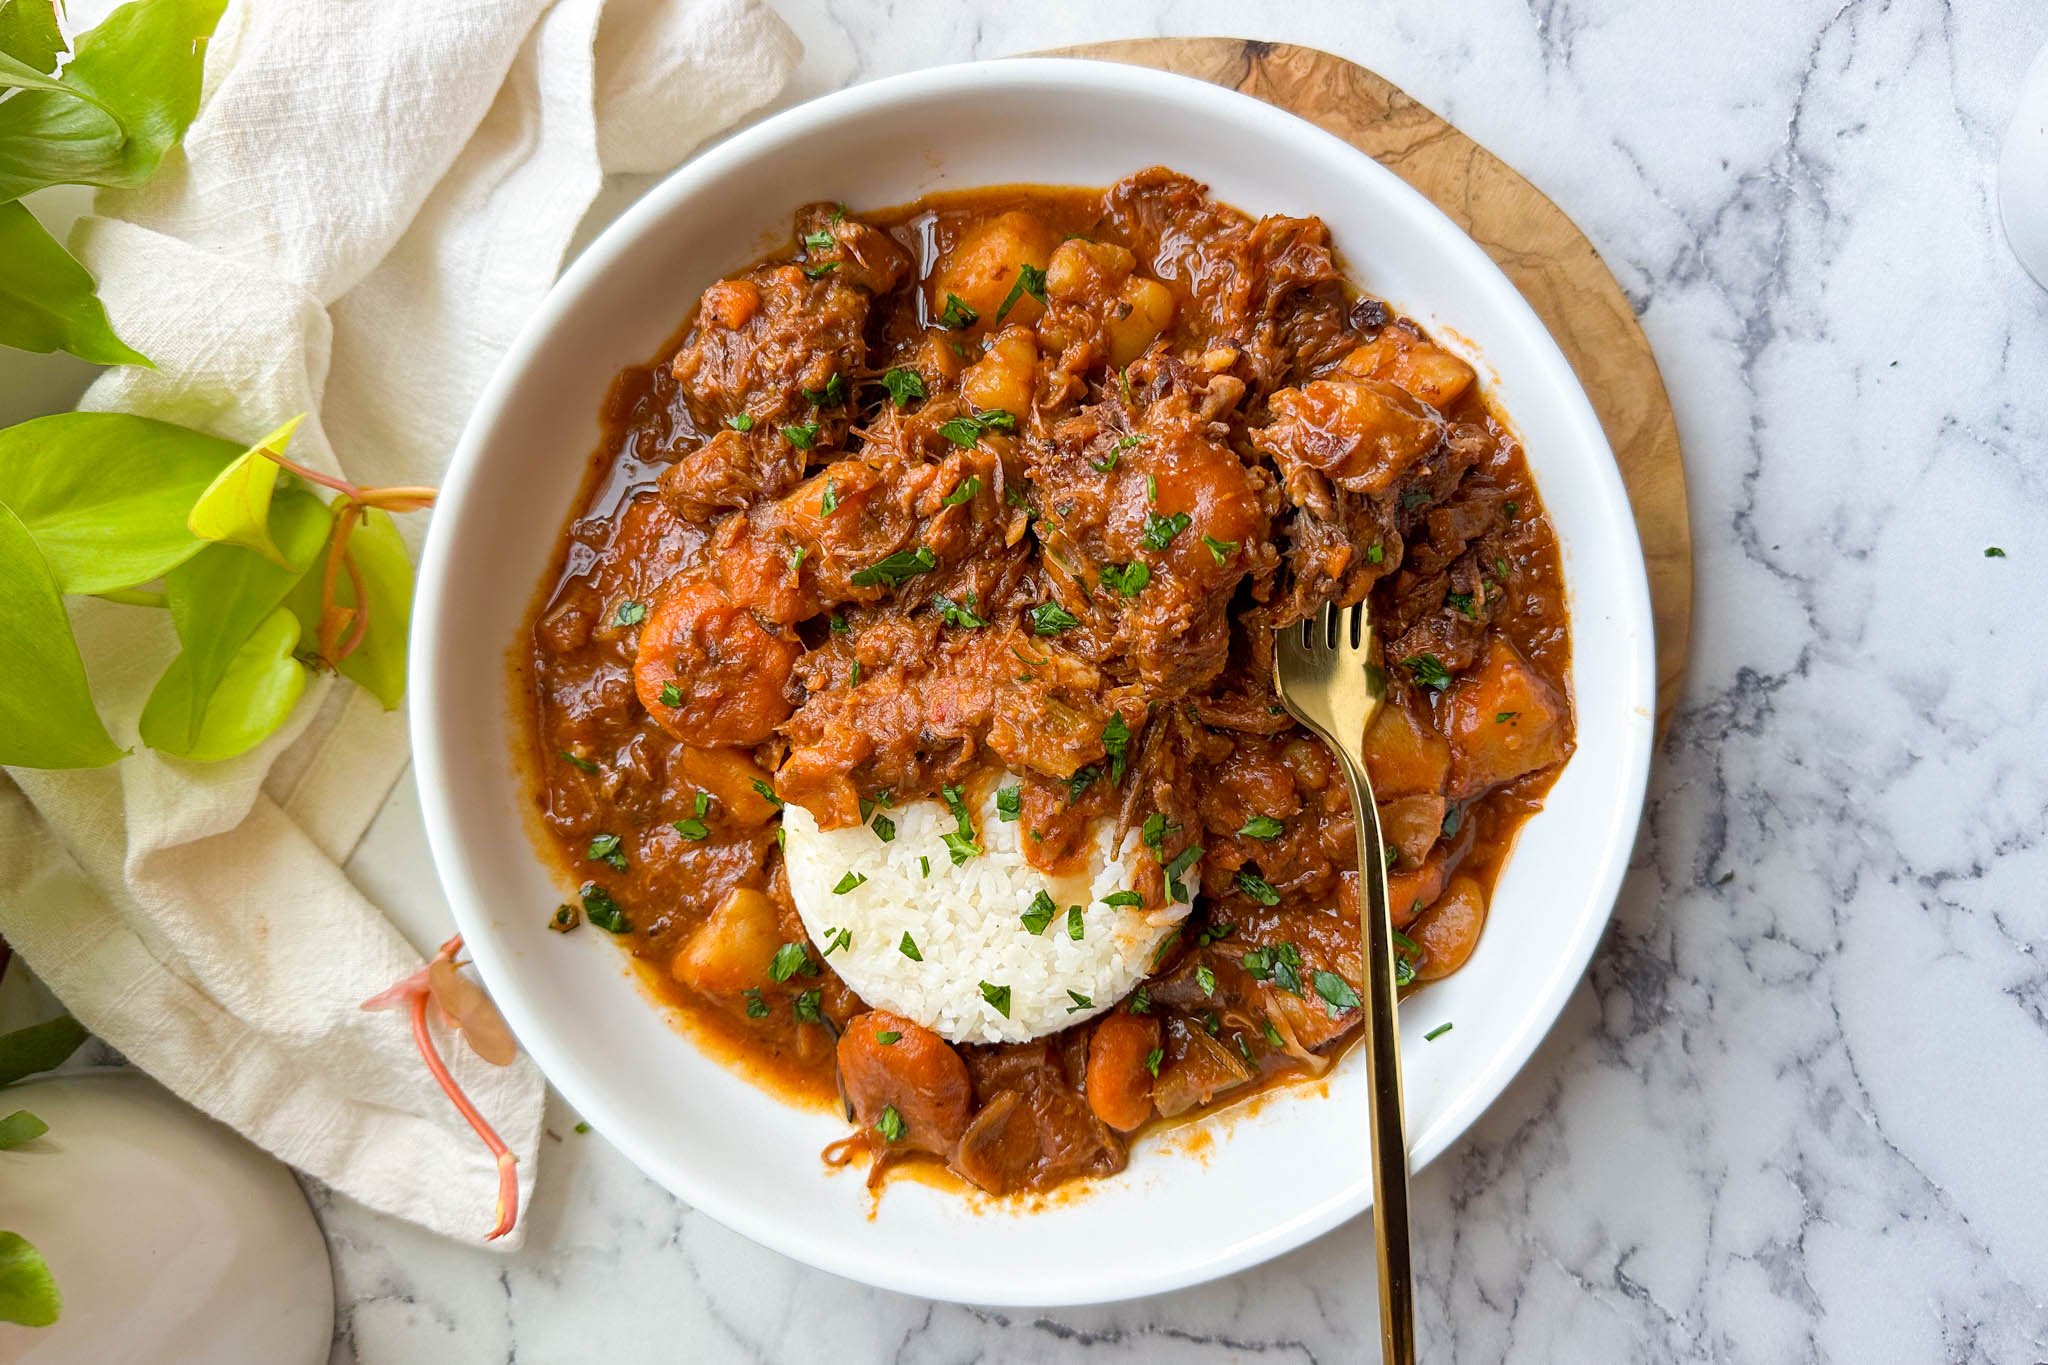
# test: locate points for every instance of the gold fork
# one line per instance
(1325, 678)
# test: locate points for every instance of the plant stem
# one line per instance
(508, 1174)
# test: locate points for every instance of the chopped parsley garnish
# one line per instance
(956, 314)
(1220, 550)
(604, 848)
(1159, 531)
(884, 828)
(1375, 553)
(893, 571)
(1180, 864)
(1152, 488)
(809, 1007)
(630, 614)
(757, 1008)
(565, 918)
(767, 793)
(1127, 579)
(1428, 670)
(1048, 618)
(1123, 898)
(702, 805)
(850, 881)
(819, 272)
(953, 614)
(998, 996)
(964, 431)
(1080, 782)
(1272, 1034)
(1215, 933)
(964, 492)
(1452, 819)
(909, 949)
(1461, 602)
(1077, 924)
(890, 1124)
(821, 240)
(853, 675)
(1990, 552)
(831, 396)
(888, 1037)
(960, 844)
(1206, 979)
(1336, 992)
(1153, 832)
(796, 558)
(741, 422)
(1081, 1002)
(691, 827)
(1407, 952)
(1414, 498)
(671, 695)
(1439, 1031)
(789, 959)
(835, 939)
(1116, 742)
(577, 762)
(1040, 913)
(1141, 1001)
(1503, 717)
(838, 624)
(1279, 964)
(828, 501)
(1153, 1059)
(1262, 827)
(1116, 451)
(1009, 803)
(1390, 854)
(1257, 887)
(1512, 509)
(903, 385)
(600, 909)
(924, 869)
(1030, 280)
(803, 437)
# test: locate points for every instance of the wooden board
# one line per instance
(1547, 257)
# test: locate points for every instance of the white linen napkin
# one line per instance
(374, 197)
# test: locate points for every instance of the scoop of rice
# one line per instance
(860, 897)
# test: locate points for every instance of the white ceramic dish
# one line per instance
(746, 1159)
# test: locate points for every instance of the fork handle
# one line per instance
(1383, 1077)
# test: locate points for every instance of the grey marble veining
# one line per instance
(1798, 1109)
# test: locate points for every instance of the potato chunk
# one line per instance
(1423, 368)
(982, 266)
(1504, 721)
(730, 952)
(1404, 756)
(1448, 931)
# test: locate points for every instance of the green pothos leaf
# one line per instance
(105, 495)
(19, 1127)
(378, 663)
(219, 599)
(235, 508)
(28, 1292)
(38, 1047)
(127, 96)
(29, 33)
(47, 719)
(260, 686)
(47, 301)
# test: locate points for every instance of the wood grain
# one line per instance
(1540, 249)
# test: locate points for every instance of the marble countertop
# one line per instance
(1795, 1112)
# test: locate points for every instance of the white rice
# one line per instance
(966, 921)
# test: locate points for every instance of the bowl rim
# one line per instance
(933, 1277)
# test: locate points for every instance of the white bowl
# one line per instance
(727, 1148)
